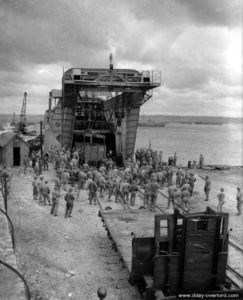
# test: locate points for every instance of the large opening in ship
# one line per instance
(92, 133)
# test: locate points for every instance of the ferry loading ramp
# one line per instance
(122, 92)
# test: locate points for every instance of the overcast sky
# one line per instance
(195, 43)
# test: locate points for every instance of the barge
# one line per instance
(97, 110)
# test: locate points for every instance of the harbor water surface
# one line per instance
(220, 144)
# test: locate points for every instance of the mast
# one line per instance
(23, 110)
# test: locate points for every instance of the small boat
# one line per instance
(221, 168)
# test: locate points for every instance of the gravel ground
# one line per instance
(64, 258)
(70, 258)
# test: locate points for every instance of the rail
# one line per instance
(236, 274)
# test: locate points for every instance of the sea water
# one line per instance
(219, 144)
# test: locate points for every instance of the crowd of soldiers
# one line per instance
(147, 171)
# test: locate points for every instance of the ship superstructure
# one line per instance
(97, 110)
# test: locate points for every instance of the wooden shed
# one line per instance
(12, 149)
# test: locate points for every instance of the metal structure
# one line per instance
(186, 254)
(13, 123)
(100, 102)
(21, 125)
(23, 110)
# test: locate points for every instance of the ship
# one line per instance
(207, 123)
(97, 111)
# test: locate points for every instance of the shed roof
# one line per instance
(6, 137)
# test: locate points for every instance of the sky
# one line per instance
(196, 44)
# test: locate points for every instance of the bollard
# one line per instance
(101, 293)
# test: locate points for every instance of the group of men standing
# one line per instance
(147, 172)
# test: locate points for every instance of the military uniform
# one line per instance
(92, 192)
(154, 186)
(55, 202)
(35, 189)
(146, 199)
(221, 197)
(64, 180)
(40, 189)
(125, 190)
(185, 195)
(171, 192)
(46, 193)
(69, 198)
(207, 188)
(133, 191)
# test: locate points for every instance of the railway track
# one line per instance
(235, 258)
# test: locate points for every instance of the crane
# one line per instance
(23, 110)
(13, 123)
(20, 127)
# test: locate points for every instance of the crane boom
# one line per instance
(23, 110)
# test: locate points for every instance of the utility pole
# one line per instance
(41, 149)
(5, 193)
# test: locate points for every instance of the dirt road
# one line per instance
(64, 258)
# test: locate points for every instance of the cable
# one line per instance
(21, 276)
(13, 242)
(12, 228)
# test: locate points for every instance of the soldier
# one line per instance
(64, 179)
(161, 157)
(81, 181)
(185, 195)
(92, 187)
(175, 159)
(109, 188)
(40, 188)
(178, 177)
(125, 188)
(34, 159)
(143, 175)
(160, 177)
(102, 185)
(221, 197)
(72, 177)
(46, 193)
(169, 175)
(154, 176)
(26, 163)
(146, 199)
(35, 188)
(186, 186)
(171, 191)
(116, 185)
(164, 177)
(45, 160)
(57, 184)
(154, 186)
(191, 181)
(55, 201)
(69, 198)
(239, 199)
(76, 156)
(86, 166)
(59, 173)
(177, 196)
(73, 163)
(133, 191)
(207, 187)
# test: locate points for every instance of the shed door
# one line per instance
(16, 156)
